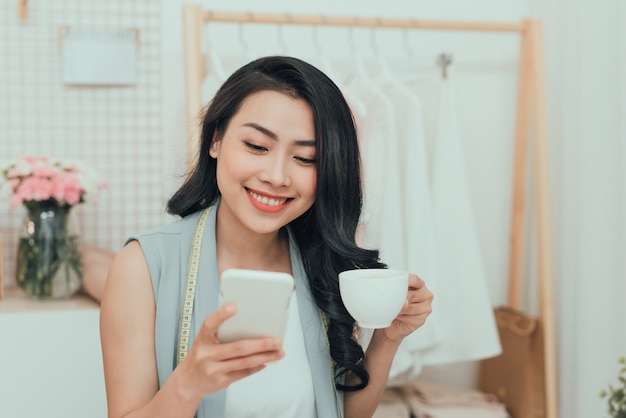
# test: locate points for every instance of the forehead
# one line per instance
(264, 98)
(277, 111)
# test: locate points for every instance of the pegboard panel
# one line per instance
(117, 130)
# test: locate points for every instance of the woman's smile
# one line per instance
(266, 202)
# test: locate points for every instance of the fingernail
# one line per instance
(277, 342)
(230, 308)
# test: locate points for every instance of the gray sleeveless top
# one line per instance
(166, 250)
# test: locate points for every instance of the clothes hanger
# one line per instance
(421, 66)
(246, 52)
(444, 60)
(361, 77)
(385, 75)
(282, 45)
(324, 62)
(325, 65)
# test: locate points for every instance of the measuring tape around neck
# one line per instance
(184, 324)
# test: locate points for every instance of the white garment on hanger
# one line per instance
(463, 307)
(382, 215)
(419, 236)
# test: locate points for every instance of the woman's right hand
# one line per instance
(210, 365)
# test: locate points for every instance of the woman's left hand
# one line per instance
(414, 312)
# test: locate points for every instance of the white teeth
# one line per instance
(267, 201)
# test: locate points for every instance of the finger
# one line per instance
(412, 323)
(415, 282)
(240, 374)
(420, 295)
(413, 318)
(250, 347)
(212, 322)
(252, 361)
(416, 309)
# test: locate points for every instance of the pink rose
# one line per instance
(40, 178)
(33, 188)
(72, 196)
(44, 171)
(67, 187)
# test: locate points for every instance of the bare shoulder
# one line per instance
(130, 260)
(127, 332)
(128, 285)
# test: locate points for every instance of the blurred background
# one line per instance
(136, 134)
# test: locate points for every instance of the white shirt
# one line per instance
(283, 389)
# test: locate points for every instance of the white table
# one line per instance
(50, 358)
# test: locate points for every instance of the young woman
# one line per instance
(277, 185)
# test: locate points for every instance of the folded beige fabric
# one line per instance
(428, 400)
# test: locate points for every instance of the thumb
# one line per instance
(212, 322)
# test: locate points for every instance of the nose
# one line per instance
(276, 172)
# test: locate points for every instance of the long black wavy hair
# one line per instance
(325, 234)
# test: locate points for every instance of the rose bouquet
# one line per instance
(45, 181)
(48, 263)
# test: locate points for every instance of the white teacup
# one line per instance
(374, 297)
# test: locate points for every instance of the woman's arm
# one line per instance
(128, 348)
(127, 334)
(383, 347)
(377, 361)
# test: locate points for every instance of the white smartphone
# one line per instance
(262, 301)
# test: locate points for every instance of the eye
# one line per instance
(255, 148)
(305, 161)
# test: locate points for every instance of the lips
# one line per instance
(267, 203)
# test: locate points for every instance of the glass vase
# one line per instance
(49, 258)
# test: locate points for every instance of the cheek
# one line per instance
(224, 173)
(229, 165)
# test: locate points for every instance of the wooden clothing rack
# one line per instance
(530, 113)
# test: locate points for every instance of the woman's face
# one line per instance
(266, 168)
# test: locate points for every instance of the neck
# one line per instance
(238, 247)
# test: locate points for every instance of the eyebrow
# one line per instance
(274, 136)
